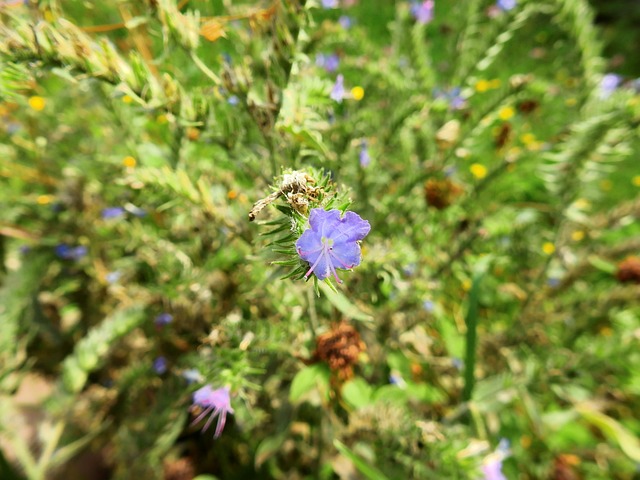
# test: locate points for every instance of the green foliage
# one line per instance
(158, 170)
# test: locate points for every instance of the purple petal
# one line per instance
(346, 255)
(322, 221)
(351, 228)
(309, 245)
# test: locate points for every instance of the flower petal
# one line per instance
(351, 228)
(346, 255)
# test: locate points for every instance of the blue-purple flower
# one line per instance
(329, 3)
(364, 157)
(338, 93)
(214, 402)
(67, 252)
(163, 319)
(423, 12)
(110, 213)
(332, 242)
(452, 96)
(330, 62)
(608, 84)
(492, 470)
(160, 365)
(345, 22)
(506, 5)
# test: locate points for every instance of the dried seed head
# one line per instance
(441, 193)
(340, 349)
(629, 270)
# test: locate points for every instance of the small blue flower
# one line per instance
(110, 213)
(163, 319)
(609, 83)
(423, 12)
(506, 5)
(330, 62)
(396, 379)
(338, 93)
(453, 97)
(233, 100)
(67, 252)
(364, 157)
(160, 365)
(332, 242)
(217, 402)
(428, 306)
(329, 3)
(345, 22)
(113, 277)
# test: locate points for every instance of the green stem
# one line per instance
(471, 321)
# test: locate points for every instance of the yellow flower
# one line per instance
(478, 170)
(495, 83)
(482, 86)
(44, 199)
(129, 161)
(357, 93)
(505, 113)
(162, 119)
(577, 235)
(127, 99)
(570, 102)
(232, 194)
(528, 138)
(582, 203)
(466, 285)
(548, 248)
(606, 185)
(636, 181)
(37, 103)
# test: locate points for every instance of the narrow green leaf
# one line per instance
(629, 443)
(369, 471)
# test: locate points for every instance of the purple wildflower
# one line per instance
(67, 252)
(506, 5)
(110, 213)
(332, 242)
(329, 3)
(608, 84)
(217, 402)
(160, 365)
(453, 97)
(338, 93)
(364, 157)
(163, 319)
(429, 306)
(423, 12)
(329, 62)
(345, 22)
(233, 100)
(492, 469)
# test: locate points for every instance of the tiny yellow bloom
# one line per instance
(44, 199)
(606, 185)
(48, 16)
(636, 181)
(127, 99)
(478, 170)
(505, 113)
(232, 194)
(528, 138)
(548, 248)
(162, 119)
(582, 203)
(357, 93)
(37, 103)
(606, 331)
(577, 235)
(129, 161)
(466, 285)
(495, 83)
(482, 86)
(570, 102)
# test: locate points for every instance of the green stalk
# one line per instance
(471, 321)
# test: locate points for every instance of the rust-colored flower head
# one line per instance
(441, 193)
(629, 270)
(340, 348)
(179, 469)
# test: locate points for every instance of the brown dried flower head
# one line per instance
(629, 270)
(441, 193)
(340, 348)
